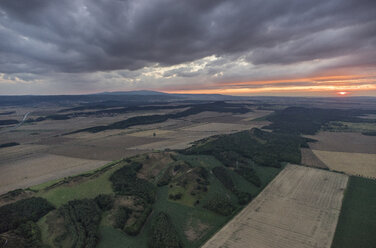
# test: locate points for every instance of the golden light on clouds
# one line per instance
(341, 85)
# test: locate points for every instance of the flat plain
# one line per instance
(47, 151)
(299, 208)
(362, 164)
(343, 142)
(40, 168)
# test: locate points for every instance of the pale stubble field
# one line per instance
(298, 209)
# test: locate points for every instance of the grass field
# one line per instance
(357, 222)
(85, 189)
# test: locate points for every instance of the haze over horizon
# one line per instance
(274, 48)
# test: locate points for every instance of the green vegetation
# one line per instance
(163, 233)
(249, 174)
(135, 228)
(81, 221)
(8, 122)
(357, 221)
(79, 187)
(263, 148)
(118, 206)
(9, 144)
(369, 133)
(15, 214)
(125, 182)
(298, 120)
(224, 176)
(121, 217)
(30, 234)
(340, 126)
(220, 205)
(104, 202)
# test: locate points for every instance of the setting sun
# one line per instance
(342, 93)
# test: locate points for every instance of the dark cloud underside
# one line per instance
(40, 36)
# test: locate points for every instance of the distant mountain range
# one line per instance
(135, 93)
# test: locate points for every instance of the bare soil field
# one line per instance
(310, 159)
(298, 209)
(343, 142)
(41, 168)
(360, 164)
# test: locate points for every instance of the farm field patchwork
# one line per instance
(41, 168)
(310, 159)
(343, 142)
(357, 222)
(351, 163)
(299, 208)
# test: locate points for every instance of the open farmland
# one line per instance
(351, 163)
(310, 159)
(41, 168)
(299, 208)
(343, 142)
(357, 222)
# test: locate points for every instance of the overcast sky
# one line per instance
(243, 47)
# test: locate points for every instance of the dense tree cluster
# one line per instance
(104, 202)
(121, 216)
(135, 227)
(125, 182)
(299, 120)
(81, 220)
(165, 178)
(249, 174)
(30, 234)
(263, 148)
(8, 122)
(220, 205)
(163, 234)
(15, 214)
(224, 177)
(9, 144)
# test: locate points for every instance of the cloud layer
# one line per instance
(148, 42)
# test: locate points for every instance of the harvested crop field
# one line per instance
(351, 163)
(298, 209)
(310, 159)
(343, 142)
(41, 168)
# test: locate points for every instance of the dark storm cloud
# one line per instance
(80, 36)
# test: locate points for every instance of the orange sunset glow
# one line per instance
(341, 85)
(342, 93)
